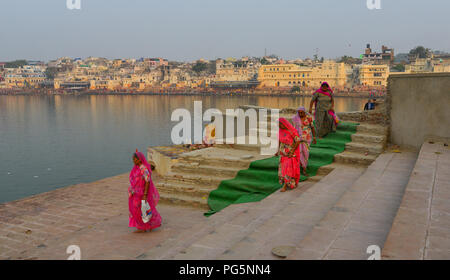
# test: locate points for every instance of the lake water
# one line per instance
(48, 142)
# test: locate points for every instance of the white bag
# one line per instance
(145, 211)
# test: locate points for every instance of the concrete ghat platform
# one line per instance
(336, 218)
(93, 216)
(421, 228)
(397, 203)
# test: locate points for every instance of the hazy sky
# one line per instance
(186, 30)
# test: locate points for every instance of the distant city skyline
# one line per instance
(182, 30)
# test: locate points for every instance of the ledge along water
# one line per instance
(261, 178)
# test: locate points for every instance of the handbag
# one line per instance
(146, 211)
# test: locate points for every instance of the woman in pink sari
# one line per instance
(142, 189)
(289, 152)
(303, 123)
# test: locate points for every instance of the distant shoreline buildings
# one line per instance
(368, 72)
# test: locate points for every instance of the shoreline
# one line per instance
(231, 94)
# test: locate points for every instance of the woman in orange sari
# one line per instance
(289, 152)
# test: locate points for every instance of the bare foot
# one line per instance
(283, 189)
(139, 231)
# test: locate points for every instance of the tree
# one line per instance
(211, 68)
(50, 72)
(16, 63)
(199, 67)
(350, 60)
(420, 52)
(264, 61)
(399, 67)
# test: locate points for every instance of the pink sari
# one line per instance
(139, 175)
(289, 168)
(303, 128)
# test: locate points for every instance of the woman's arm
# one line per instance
(145, 191)
(295, 146)
(311, 105)
(313, 133)
(313, 100)
(332, 103)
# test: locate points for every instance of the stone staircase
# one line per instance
(350, 209)
(394, 201)
(398, 204)
(198, 173)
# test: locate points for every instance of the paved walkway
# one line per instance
(93, 216)
(252, 230)
(364, 214)
(421, 229)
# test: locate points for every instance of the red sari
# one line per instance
(289, 167)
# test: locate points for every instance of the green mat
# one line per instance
(261, 178)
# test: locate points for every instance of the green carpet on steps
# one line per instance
(261, 178)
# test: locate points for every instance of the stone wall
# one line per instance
(418, 106)
(377, 116)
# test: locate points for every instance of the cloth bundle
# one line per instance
(335, 117)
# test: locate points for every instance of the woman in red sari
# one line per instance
(142, 189)
(289, 152)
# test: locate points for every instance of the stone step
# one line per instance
(365, 130)
(185, 189)
(179, 241)
(293, 221)
(316, 178)
(362, 148)
(242, 162)
(236, 239)
(369, 138)
(372, 129)
(326, 169)
(354, 158)
(225, 226)
(184, 200)
(223, 235)
(190, 189)
(245, 147)
(415, 234)
(195, 179)
(362, 216)
(206, 170)
(259, 140)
